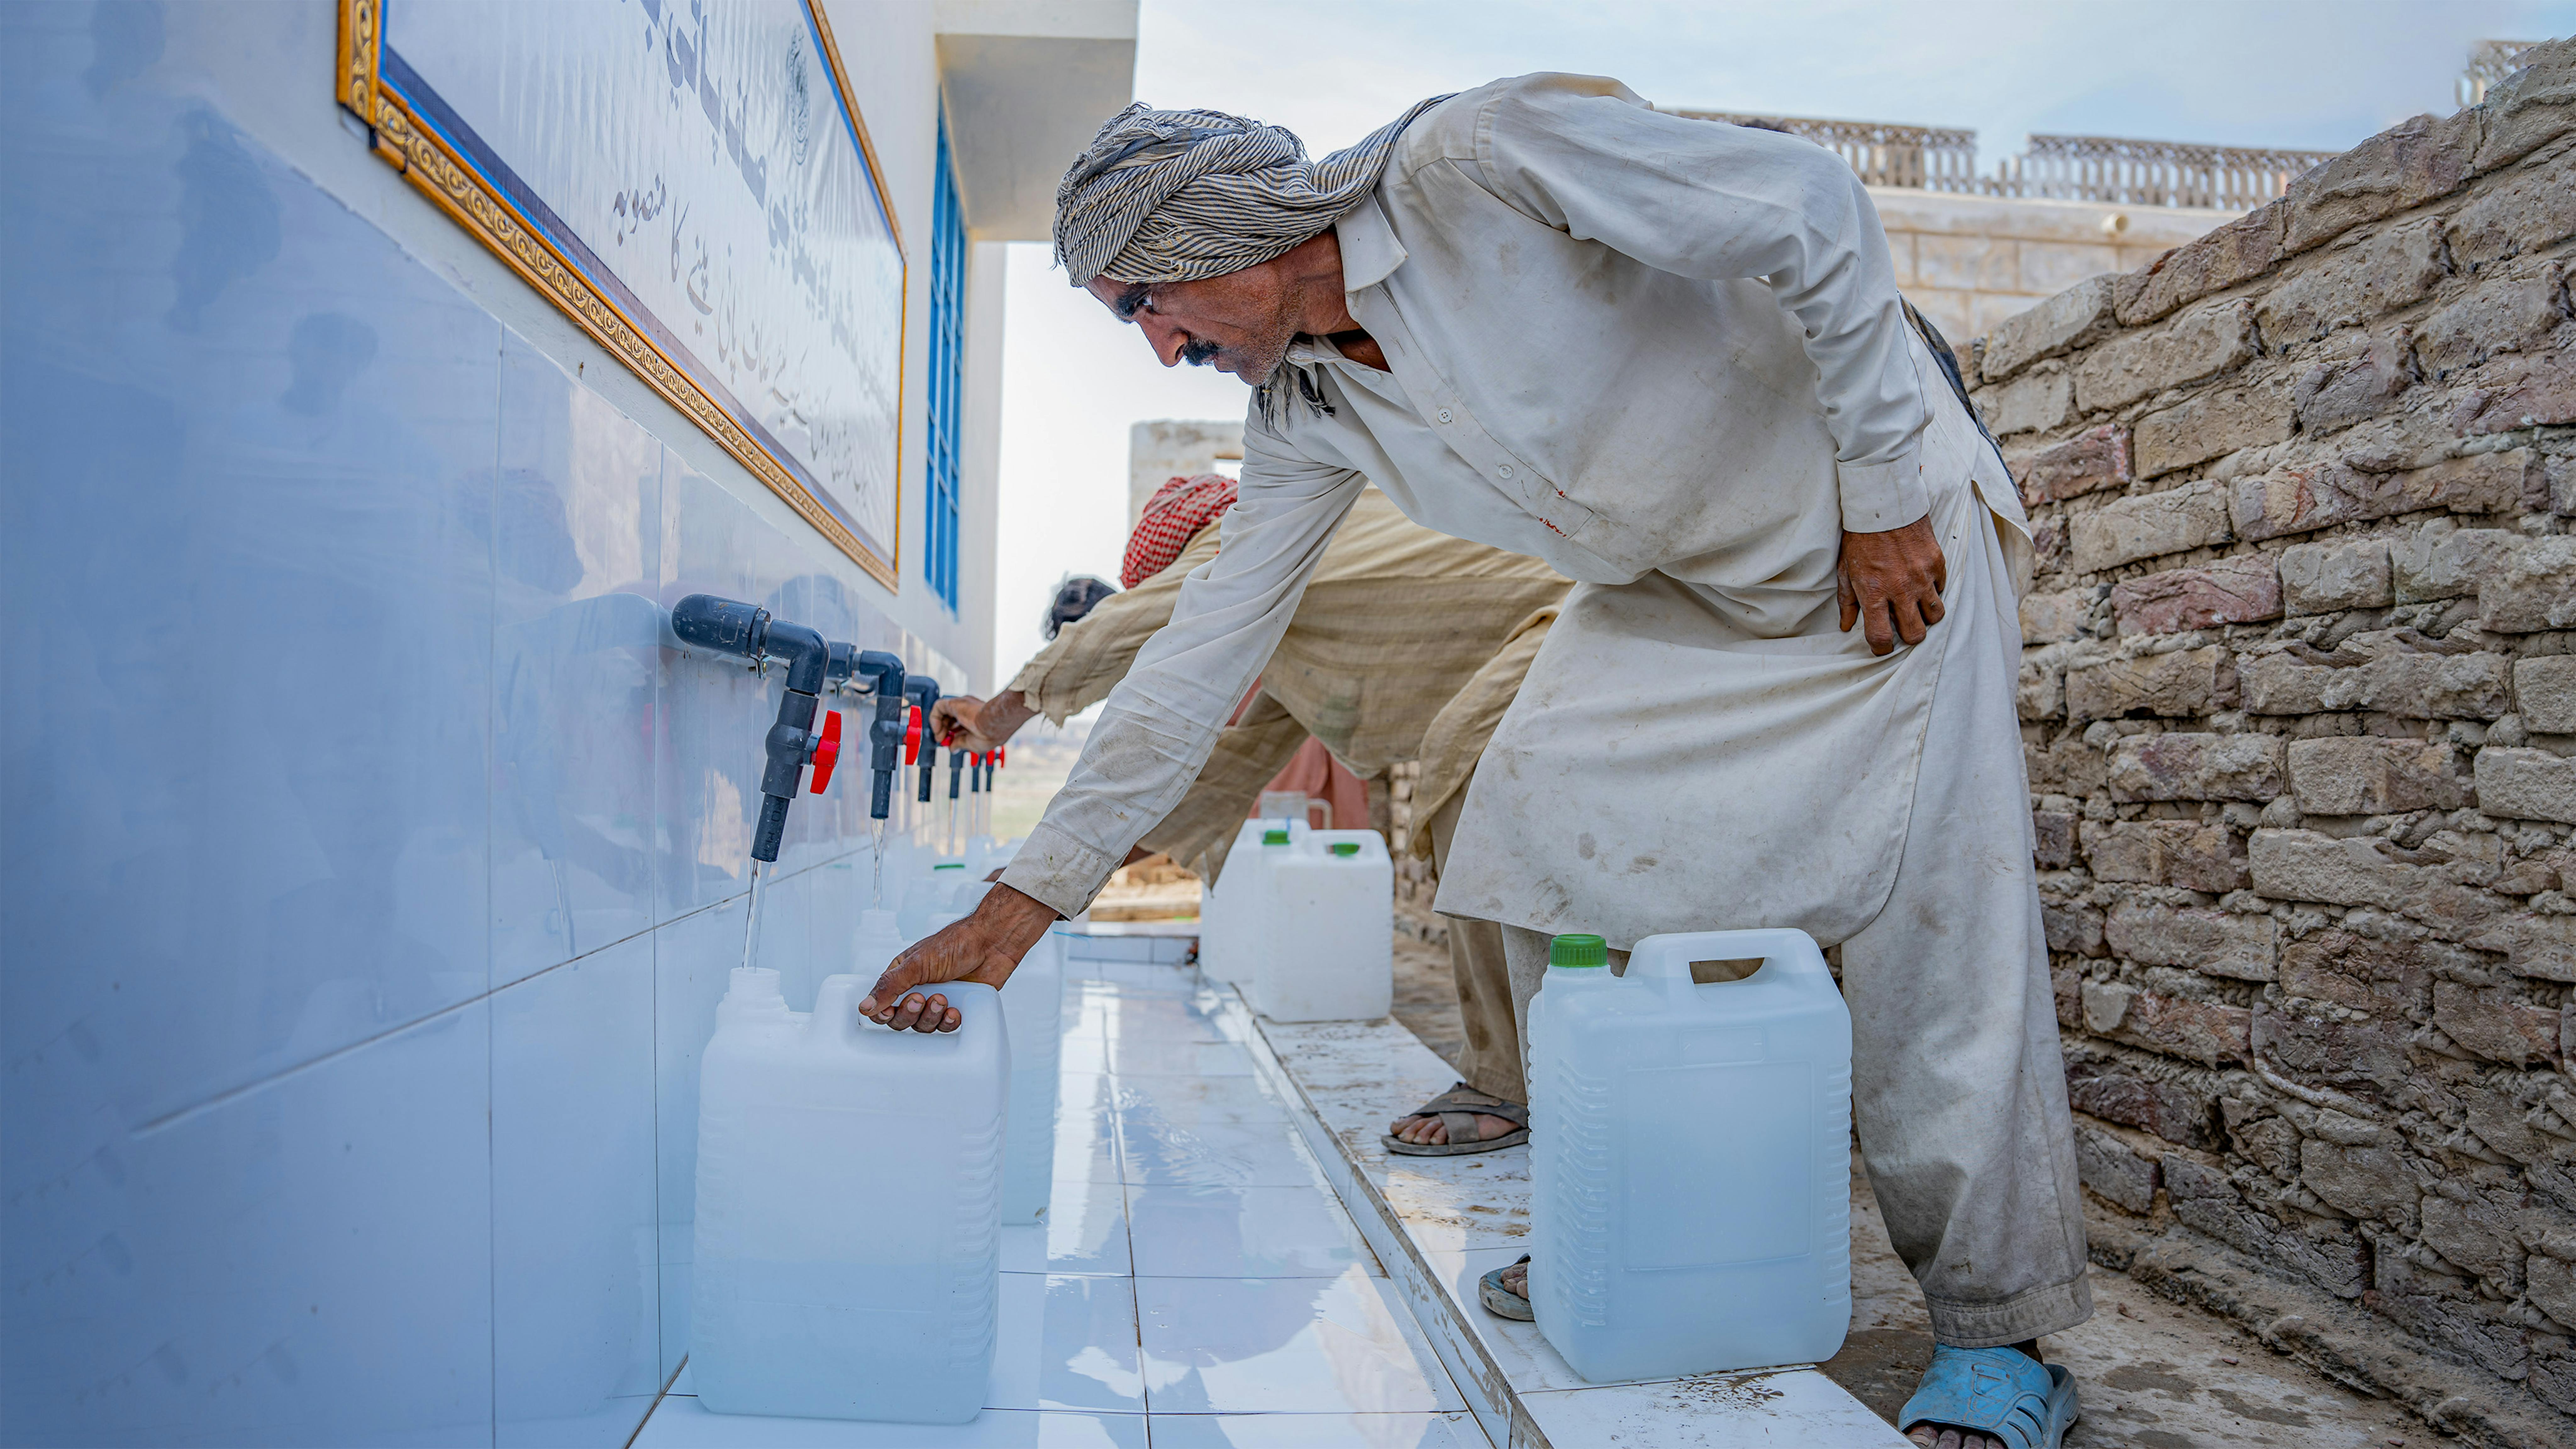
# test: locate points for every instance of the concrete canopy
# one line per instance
(1028, 82)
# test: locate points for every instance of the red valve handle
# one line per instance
(827, 749)
(912, 738)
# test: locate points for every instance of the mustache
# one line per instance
(1199, 352)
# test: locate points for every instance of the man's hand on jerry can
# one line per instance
(1891, 584)
(985, 947)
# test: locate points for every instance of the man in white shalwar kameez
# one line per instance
(1667, 357)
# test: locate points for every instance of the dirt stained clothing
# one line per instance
(1668, 357)
(1396, 624)
(1623, 342)
(1958, 1097)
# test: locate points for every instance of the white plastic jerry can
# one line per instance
(848, 1207)
(1231, 934)
(1223, 946)
(879, 941)
(927, 896)
(1329, 940)
(1033, 1004)
(1690, 1194)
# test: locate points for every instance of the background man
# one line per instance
(1406, 643)
(1668, 357)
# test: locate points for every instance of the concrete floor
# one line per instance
(2153, 1374)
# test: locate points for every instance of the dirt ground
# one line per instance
(2151, 1374)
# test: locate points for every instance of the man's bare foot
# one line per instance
(1462, 1108)
(1943, 1436)
(1432, 1132)
(1515, 1279)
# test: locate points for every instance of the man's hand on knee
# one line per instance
(1891, 584)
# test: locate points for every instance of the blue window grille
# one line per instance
(947, 377)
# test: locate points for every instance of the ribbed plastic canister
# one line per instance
(1690, 1201)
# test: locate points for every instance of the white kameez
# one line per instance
(1667, 357)
(1666, 769)
(1620, 341)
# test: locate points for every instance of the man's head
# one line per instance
(1211, 231)
(1074, 600)
(1239, 322)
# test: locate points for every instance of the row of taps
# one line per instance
(899, 733)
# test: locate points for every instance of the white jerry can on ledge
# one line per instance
(1033, 1004)
(1233, 933)
(1329, 929)
(848, 1261)
(1690, 1204)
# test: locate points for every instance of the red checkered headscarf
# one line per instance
(1172, 517)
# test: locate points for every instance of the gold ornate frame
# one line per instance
(425, 159)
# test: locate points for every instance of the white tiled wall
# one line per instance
(372, 868)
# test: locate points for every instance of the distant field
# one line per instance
(1041, 757)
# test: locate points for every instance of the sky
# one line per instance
(2310, 74)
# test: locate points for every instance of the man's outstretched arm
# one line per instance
(1152, 740)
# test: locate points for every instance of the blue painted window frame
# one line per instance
(947, 377)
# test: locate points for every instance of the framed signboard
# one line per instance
(693, 185)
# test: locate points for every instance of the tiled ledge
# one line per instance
(1440, 1223)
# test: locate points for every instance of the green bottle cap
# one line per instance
(1346, 847)
(1274, 837)
(1578, 950)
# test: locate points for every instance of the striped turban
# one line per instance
(1175, 196)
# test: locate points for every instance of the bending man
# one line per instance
(1668, 357)
(1405, 644)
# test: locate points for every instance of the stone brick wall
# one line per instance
(2299, 698)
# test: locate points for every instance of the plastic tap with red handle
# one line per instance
(826, 751)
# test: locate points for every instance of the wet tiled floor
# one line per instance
(1197, 1282)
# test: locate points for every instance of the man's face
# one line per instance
(1240, 323)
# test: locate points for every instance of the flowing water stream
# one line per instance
(751, 920)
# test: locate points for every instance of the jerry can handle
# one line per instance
(836, 1008)
(1787, 955)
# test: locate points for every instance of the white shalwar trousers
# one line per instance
(1958, 1087)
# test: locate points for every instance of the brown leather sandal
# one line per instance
(1458, 1108)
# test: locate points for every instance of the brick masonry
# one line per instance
(2299, 702)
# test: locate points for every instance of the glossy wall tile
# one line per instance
(691, 958)
(576, 1319)
(713, 712)
(305, 1262)
(576, 659)
(251, 450)
(372, 860)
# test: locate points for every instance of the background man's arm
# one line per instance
(1084, 663)
(1250, 754)
(1164, 717)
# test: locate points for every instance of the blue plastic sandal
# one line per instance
(1999, 1391)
